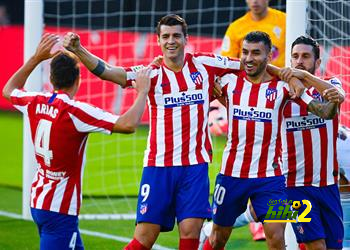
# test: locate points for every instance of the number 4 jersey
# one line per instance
(59, 129)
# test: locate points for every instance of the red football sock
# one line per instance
(207, 246)
(189, 244)
(135, 245)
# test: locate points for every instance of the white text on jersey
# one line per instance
(183, 98)
(305, 122)
(46, 110)
(252, 114)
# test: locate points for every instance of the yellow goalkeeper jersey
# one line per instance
(273, 24)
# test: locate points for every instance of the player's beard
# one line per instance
(311, 70)
(260, 69)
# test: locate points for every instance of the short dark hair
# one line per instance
(172, 20)
(64, 70)
(259, 36)
(308, 41)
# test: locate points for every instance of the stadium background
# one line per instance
(122, 32)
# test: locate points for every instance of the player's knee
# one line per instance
(146, 234)
(276, 236)
(275, 239)
(190, 228)
(316, 245)
(217, 242)
(219, 238)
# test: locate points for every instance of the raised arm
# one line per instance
(330, 108)
(94, 64)
(42, 53)
(295, 85)
(327, 89)
(325, 110)
(128, 122)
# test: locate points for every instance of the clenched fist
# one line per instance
(71, 42)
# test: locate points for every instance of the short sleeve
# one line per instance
(88, 119)
(21, 98)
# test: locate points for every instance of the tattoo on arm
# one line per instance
(100, 68)
(325, 110)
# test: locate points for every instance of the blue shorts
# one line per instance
(326, 215)
(57, 231)
(169, 192)
(231, 195)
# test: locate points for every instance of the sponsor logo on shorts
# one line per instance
(287, 211)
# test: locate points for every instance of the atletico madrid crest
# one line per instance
(300, 229)
(197, 78)
(271, 94)
(143, 209)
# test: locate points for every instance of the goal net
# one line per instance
(328, 23)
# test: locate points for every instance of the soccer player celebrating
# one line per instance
(175, 180)
(251, 160)
(59, 130)
(309, 153)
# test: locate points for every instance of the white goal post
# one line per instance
(296, 24)
(33, 28)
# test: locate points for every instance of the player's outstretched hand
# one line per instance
(333, 95)
(143, 80)
(45, 46)
(71, 42)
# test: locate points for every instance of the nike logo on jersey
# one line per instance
(191, 97)
(305, 122)
(252, 114)
(164, 84)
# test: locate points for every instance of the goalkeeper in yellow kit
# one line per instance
(259, 18)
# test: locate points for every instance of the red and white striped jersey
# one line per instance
(309, 145)
(59, 129)
(253, 148)
(178, 105)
